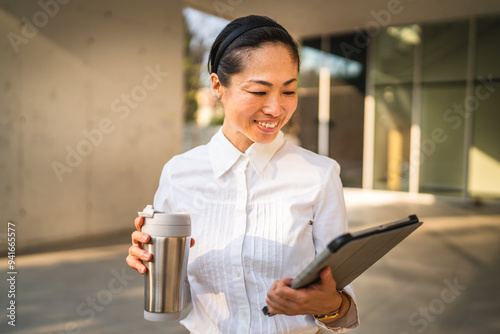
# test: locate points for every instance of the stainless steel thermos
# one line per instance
(164, 282)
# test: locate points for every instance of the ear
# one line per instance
(216, 85)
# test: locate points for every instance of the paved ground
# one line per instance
(443, 279)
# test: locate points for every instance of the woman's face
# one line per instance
(260, 100)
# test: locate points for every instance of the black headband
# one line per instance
(235, 34)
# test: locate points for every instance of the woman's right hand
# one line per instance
(136, 255)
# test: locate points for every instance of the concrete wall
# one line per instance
(91, 98)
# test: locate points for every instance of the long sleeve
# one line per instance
(161, 202)
(330, 222)
(346, 323)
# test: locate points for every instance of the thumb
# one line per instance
(327, 277)
(326, 273)
(325, 282)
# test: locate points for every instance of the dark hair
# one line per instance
(231, 59)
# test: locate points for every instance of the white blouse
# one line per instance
(256, 217)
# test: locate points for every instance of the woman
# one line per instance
(261, 208)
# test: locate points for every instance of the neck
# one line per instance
(238, 139)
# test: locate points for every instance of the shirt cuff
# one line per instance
(347, 322)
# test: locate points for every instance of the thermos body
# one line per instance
(164, 281)
(165, 277)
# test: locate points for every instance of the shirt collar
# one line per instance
(223, 154)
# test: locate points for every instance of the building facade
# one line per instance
(417, 106)
(414, 89)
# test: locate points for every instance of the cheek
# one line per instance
(248, 101)
(291, 105)
(241, 111)
(245, 107)
(290, 108)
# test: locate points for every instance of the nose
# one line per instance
(273, 106)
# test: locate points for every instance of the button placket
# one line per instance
(241, 222)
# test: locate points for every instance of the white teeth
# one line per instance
(268, 125)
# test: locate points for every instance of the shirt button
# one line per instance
(237, 273)
(243, 314)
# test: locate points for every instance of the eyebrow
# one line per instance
(266, 83)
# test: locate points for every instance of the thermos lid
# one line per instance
(165, 224)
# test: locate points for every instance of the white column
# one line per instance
(416, 115)
(369, 121)
(324, 111)
(471, 62)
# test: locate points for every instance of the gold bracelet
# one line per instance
(334, 314)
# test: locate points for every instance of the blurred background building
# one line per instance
(95, 96)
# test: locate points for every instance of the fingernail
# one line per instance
(144, 238)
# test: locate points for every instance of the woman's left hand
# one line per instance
(318, 298)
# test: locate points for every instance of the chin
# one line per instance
(266, 138)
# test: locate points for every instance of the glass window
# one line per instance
(347, 93)
(309, 68)
(444, 68)
(484, 172)
(395, 52)
(343, 71)
(394, 70)
(442, 138)
(392, 136)
(484, 168)
(445, 51)
(488, 47)
(443, 106)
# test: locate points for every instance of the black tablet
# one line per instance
(349, 255)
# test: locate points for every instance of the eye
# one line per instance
(258, 93)
(289, 93)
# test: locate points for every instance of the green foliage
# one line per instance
(193, 58)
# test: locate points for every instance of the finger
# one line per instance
(326, 276)
(326, 273)
(133, 262)
(284, 300)
(284, 282)
(139, 253)
(140, 238)
(192, 242)
(138, 222)
(273, 308)
(275, 305)
(325, 283)
(278, 306)
(283, 292)
(280, 297)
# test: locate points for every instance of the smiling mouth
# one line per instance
(267, 125)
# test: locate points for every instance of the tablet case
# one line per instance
(349, 255)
